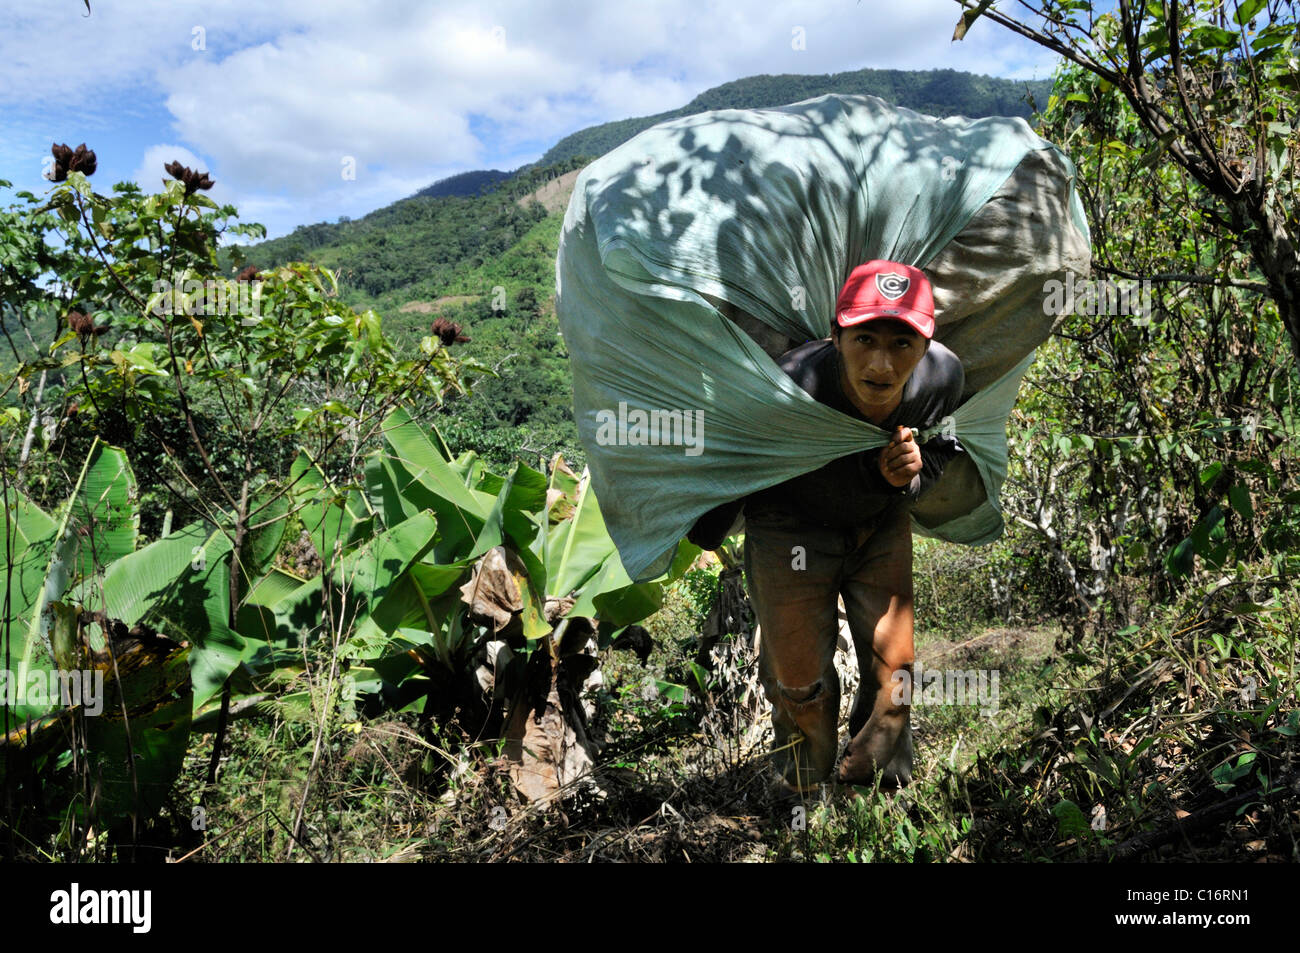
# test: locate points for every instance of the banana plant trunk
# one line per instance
(548, 742)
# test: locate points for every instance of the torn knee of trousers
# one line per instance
(804, 695)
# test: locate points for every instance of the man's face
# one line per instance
(876, 359)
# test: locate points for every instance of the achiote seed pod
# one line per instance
(193, 180)
(84, 324)
(448, 332)
(68, 160)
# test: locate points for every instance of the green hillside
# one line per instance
(416, 244)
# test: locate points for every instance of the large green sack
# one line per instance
(697, 251)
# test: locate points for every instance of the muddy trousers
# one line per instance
(794, 573)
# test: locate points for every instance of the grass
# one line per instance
(1149, 733)
(1175, 740)
(681, 778)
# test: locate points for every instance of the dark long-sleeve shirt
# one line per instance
(851, 491)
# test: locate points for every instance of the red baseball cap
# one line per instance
(887, 289)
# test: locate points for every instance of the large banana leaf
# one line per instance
(95, 525)
(381, 561)
(275, 630)
(413, 476)
(430, 624)
(407, 603)
(270, 640)
(619, 601)
(159, 737)
(370, 575)
(414, 602)
(520, 507)
(579, 547)
(25, 560)
(104, 513)
(181, 586)
(379, 573)
(268, 517)
(330, 516)
(387, 587)
(383, 495)
(273, 587)
(582, 561)
(410, 444)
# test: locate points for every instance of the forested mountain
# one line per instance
(465, 183)
(937, 92)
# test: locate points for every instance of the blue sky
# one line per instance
(273, 97)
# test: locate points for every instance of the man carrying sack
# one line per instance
(845, 530)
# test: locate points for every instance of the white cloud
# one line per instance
(283, 90)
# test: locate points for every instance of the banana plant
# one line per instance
(76, 591)
(495, 620)
(428, 562)
(412, 552)
(45, 556)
